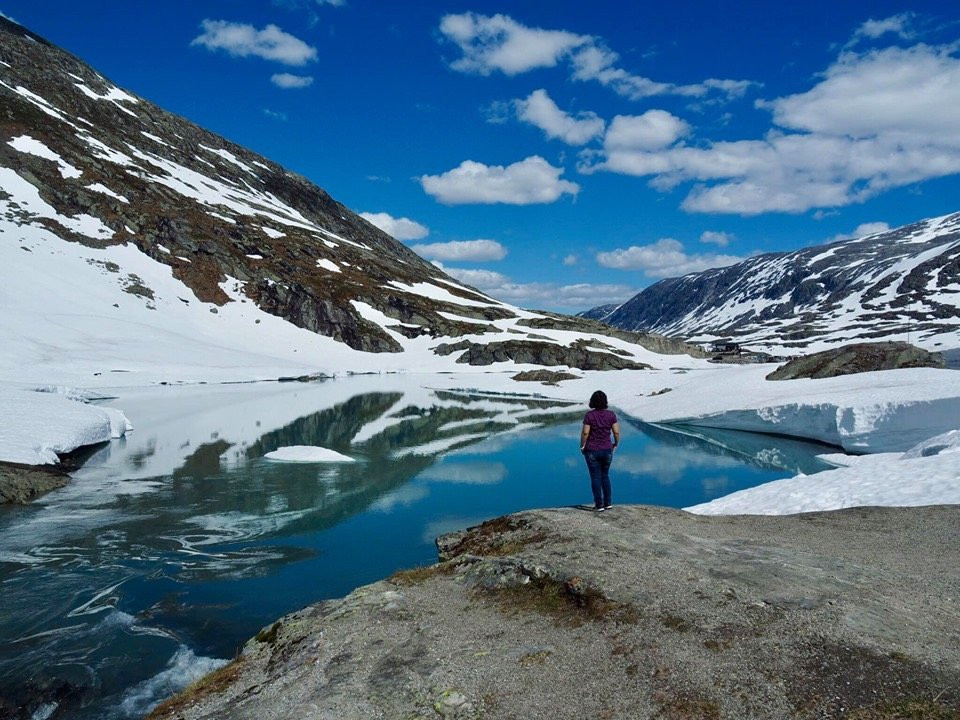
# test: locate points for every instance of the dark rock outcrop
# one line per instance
(857, 358)
(537, 353)
(20, 484)
(548, 377)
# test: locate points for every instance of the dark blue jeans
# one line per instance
(598, 463)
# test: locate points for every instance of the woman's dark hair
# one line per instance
(598, 401)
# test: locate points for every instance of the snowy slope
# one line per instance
(903, 284)
(134, 242)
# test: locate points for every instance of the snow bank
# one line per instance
(887, 411)
(927, 474)
(39, 425)
(307, 453)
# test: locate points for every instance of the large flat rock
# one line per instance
(639, 612)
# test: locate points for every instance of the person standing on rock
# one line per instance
(597, 448)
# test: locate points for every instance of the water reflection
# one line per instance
(731, 448)
(173, 546)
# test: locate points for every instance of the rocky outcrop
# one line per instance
(537, 353)
(640, 612)
(20, 484)
(857, 358)
(547, 377)
(660, 344)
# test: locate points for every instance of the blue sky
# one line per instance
(562, 155)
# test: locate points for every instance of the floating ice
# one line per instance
(307, 453)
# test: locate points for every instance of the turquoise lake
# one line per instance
(174, 546)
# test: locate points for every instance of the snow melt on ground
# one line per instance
(928, 474)
(308, 454)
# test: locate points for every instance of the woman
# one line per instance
(597, 448)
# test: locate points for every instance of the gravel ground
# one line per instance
(638, 612)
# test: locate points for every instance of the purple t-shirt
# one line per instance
(600, 422)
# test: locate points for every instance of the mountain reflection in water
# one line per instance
(173, 546)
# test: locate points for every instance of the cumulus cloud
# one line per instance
(541, 111)
(462, 250)
(288, 80)
(399, 228)
(242, 40)
(664, 258)
(499, 43)
(862, 230)
(530, 181)
(711, 237)
(654, 130)
(578, 296)
(571, 259)
(875, 121)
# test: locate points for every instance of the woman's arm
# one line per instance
(616, 434)
(584, 434)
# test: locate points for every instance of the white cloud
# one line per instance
(288, 81)
(872, 29)
(578, 296)
(664, 258)
(500, 43)
(527, 182)
(862, 230)
(242, 40)
(334, 3)
(541, 111)
(462, 250)
(596, 62)
(654, 130)
(399, 228)
(275, 115)
(712, 237)
(877, 120)
(571, 259)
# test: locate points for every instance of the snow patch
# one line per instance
(39, 426)
(307, 453)
(30, 146)
(328, 265)
(100, 188)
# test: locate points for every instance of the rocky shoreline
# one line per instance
(639, 612)
(19, 484)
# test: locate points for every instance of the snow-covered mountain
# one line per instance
(132, 240)
(903, 284)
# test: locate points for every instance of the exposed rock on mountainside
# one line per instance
(822, 615)
(88, 163)
(890, 285)
(857, 358)
(540, 353)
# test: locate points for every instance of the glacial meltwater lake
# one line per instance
(170, 548)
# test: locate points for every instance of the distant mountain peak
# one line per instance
(901, 284)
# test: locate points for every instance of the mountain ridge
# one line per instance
(900, 284)
(85, 162)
